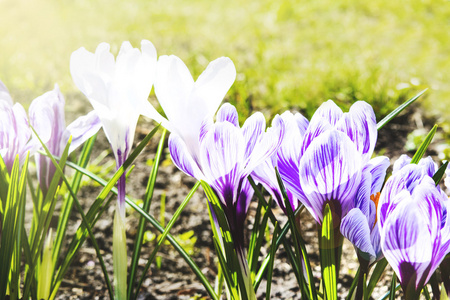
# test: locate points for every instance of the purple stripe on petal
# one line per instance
(402, 161)
(377, 167)
(228, 113)
(405, 241)
(182, 158)
(355, 228)
(328, 112)
(330, 170)
(360, 126)
(316, 128)
(221, 157)
(428, 165)
(252, 130)
(82, 129)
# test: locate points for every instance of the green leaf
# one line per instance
(423, 147)
(327, 255)
(376, 275)
(141, 227)
(162, 238)
(273, 249)
(393, 287)
(299, 246)
(437, 177)
(399, 109)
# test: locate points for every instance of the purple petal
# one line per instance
(243, 202)
(362, 199)
(265, 174)
(82, 129)
(428, 165)
(328, 112)
(330, 172)
(355, 228)
(182, 158)
(316, 127)
(265, 146)
(377, 167)
(252, 130)
(302, 123)
(47, 117)
(406, 244)
(361, 127)
(402, 161)
(221, 157)
(228, 113)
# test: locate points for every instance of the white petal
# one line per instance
(213, 84)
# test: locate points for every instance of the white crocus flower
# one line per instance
(187, 103)
(118, 89)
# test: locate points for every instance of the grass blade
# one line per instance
(141, 227)
(165, 233)
(423, 147)
(399, 109)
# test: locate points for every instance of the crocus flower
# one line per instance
(413, 224)
(118, 90)
(15, 132)
(359, 225)
(325, 165)
(187, 103)
(227, 155)
(47, 117)
(296, 126)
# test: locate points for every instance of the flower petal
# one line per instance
(228, 113)
(355, 228)
(173, 85)
(182, 158)
(82, 129)
(221, 157)
(213, 84)
(328, 112)
(406, 243)
(330, 171)
(252, 131)
(265, 146)
(361, 127)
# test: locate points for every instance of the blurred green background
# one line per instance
(288, 54)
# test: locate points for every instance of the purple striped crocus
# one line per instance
(359, 225)
(47, 117)
(324, 164)
(15, 132)
(296, 126)
(227, 155)
(414, 224)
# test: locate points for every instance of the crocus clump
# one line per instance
(414, 224)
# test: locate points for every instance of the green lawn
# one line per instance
(288, 54)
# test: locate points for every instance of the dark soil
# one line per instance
(175, 280)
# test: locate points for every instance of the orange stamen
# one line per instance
(375, 198)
